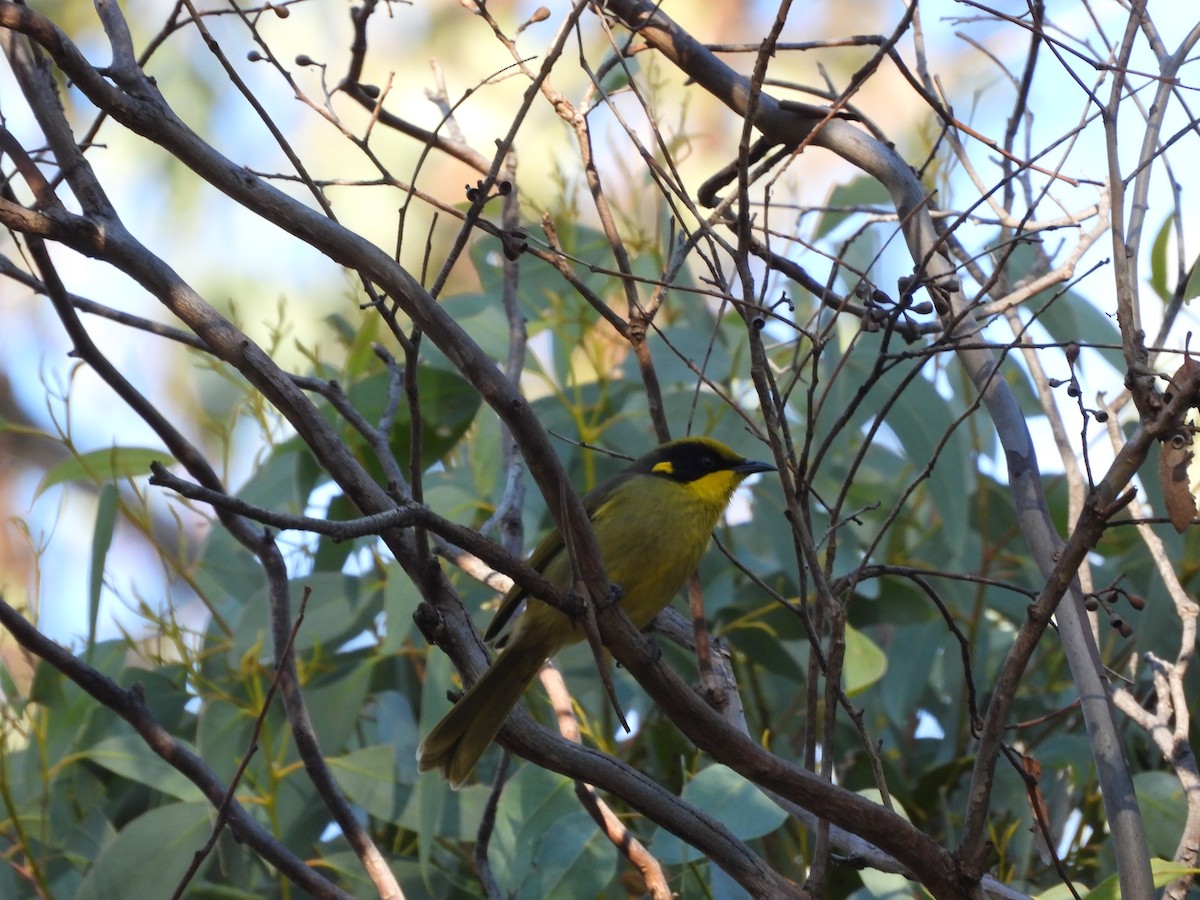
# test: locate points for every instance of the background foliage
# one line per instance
(880, 589)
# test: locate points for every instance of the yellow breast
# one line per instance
(652, 533)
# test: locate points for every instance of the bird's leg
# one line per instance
(429, 620)
(615, 593)
(652, 650)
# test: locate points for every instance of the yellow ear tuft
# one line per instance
(665, 467)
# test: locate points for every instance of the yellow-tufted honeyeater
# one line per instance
(652, 523)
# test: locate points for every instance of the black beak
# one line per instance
(750, 466)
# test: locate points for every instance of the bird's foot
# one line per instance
(615, 593)
(652, 650)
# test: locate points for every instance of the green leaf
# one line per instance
(86, 837)
(227, 574)
(922, 419)
(331, 555)
(1073, 318)
(339, 608)
(1192, 288)
(436, 812)
(481, 315)
(543, 842)
(336, 699)
(110, 464)
(400, 601)
(1158, 261)
(1164, 810)
(1063, 892)
(573, 860)
(281, 481)
(128, 756)
(865, 662)
(884, 886)
(302, 816)
(396, 726)
(223, 737)
(617, 73)
(368, 776)
(730, 799)
(164, 693)
(448, 406)
(912, 673)
(149, 855)
(75, 719)
(1164, 871)
(346, 870)
(106, 519)
(861, 192)
(429, 801)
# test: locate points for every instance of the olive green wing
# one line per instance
(550, 549)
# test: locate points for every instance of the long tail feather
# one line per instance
(458, 740)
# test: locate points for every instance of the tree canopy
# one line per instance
(322, 315)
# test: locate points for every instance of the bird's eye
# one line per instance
(708, 462)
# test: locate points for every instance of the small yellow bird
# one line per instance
(652, 523)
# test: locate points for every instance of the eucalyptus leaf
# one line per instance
(865, 662)
(1191, 288)
(1164, 872)
(102, 535)
(1158, 260)
(127, 755)
(726, 796)
(845, 200)
(104, 465)
(1164, 808)
(150, 854)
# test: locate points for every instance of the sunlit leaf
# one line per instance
(99, 466)
(1164, 872)
(1158, 261)
(102, 535)
(865, 662)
